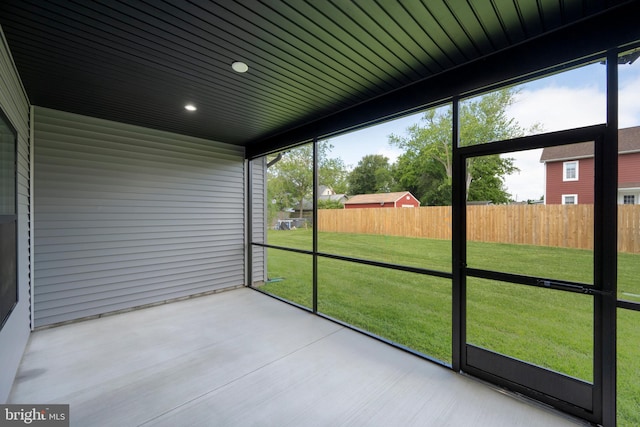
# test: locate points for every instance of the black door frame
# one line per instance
(563, 392)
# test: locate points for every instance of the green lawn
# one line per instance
(548, 328)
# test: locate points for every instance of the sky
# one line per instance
(567, 100)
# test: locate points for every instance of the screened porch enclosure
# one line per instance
(167, 174)
(483, 287)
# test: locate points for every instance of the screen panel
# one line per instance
(528, 219)
(289, 276)
(547, 328)
(411, 309)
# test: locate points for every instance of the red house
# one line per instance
(569, 171)
(402, 199)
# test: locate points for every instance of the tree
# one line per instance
(330, 204)
(424, 177)
(485, 178)
(426, 166)
(290, 177)
(332, 172)
(371, 175)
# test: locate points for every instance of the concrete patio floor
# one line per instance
(240, 358)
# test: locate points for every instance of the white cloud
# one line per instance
(559, 107)
(555, 108)
(629, 103)
(390, 153)
(528, 183)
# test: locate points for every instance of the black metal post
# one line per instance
(458, 249)
(248, 223)
(605, 306)
(315, 226)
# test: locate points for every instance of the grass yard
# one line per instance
(628, 368)
(548, 328)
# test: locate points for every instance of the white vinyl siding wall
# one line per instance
(127, 216)
(259, 217)
(15, 332)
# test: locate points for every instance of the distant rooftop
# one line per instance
(628, 142)
(377, 198)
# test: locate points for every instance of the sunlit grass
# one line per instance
(628, 368)
(548, 328)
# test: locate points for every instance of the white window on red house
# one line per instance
(629, 199)
(570, 171)
(569, 199)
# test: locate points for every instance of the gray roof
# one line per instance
(628, 142)
(361, 199)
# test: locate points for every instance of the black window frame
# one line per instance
(12, 219)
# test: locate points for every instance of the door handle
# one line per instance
(571, 288)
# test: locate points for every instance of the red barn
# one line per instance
(569, 171)
(402, 199)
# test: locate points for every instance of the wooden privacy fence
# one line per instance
(566, 226)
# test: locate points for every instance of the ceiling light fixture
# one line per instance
(240, 67)
(190, 107)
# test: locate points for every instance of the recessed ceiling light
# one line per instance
(240, 67)
(190, 107)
